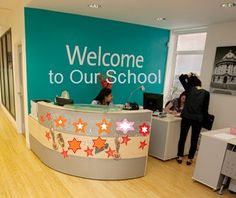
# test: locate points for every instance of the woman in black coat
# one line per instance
(195, 108)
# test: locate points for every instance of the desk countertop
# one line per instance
(168, 118)
(221, 134)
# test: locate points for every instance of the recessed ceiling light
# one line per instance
(94, 5)
(160, 19)
(228, 5)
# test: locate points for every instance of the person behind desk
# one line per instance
(195, 107)
(104, 97)
(176, 105)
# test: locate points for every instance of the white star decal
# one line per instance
(104, 126)
(144, 129)
(80, 126)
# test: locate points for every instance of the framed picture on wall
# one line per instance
(223, 79)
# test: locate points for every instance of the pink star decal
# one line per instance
(64, 153)
(125, 140)
(124, 126)
(47, 135)
(144, 129)
(142, 144)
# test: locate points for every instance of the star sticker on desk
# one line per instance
(60, 122)
(80, 126)
(48, 135)
(99, 143)
(41, 118)
(64, 153)
(74, 145)
(104, 126)
(124, 126)
(125, 140)
(144, 129)
(48, 116)
(110, 152)
(142, 144)
(89, 151)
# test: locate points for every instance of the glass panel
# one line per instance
(5, 73)
(186, 64)
(95, 108)
(1, 75)
(9, 49)
(190, 42)
(10, 75)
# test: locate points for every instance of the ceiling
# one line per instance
(179, 14)
(5, 8)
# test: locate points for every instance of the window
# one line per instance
(187, 57)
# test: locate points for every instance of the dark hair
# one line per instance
(180, 96)
(101, 96)
(194, 81)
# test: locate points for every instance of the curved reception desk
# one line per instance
(91, 141)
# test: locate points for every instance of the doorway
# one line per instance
(20, 92)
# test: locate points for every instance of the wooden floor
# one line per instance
(23, 175)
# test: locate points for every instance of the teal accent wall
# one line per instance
(48, 60)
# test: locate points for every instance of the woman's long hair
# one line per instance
(101, 96)
(194, 81)
(179, 99)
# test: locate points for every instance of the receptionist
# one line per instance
(104, 97)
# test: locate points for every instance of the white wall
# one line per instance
(170, 68)
(222, 106)
(2, 30)
(15, 21)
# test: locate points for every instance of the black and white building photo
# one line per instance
(223, 78)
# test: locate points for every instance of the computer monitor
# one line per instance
(153, 101)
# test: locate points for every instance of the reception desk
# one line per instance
(94, 142)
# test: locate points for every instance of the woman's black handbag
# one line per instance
(208, 121)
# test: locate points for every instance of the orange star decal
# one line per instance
(74, 145)
(110, 152)
(64, 153)
(125, 140)
(80, 126)
(142, 144)
(104, 126)
(99, 143)
(60, 122)
(89, 151)
(48, 116)
(48, 135)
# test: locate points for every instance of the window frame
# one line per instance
(172, 57)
